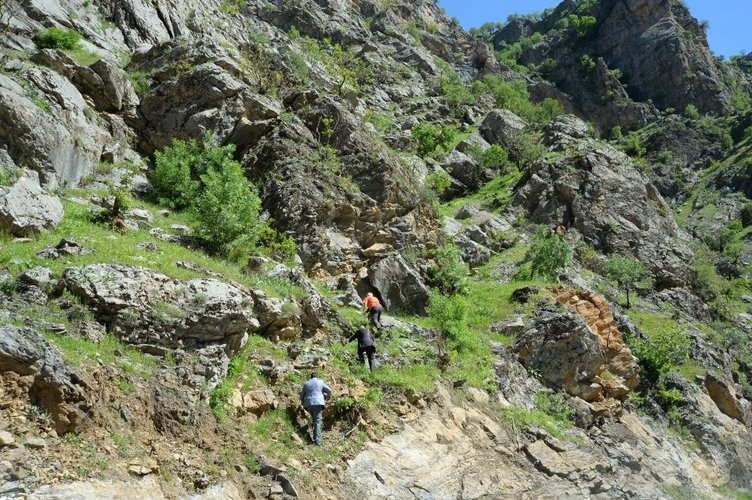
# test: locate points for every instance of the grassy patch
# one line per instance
(518, 416)
(494, 195)
(121, 248)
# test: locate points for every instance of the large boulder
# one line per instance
(399, 285)
(622, 365)
(565, 352)
(146, 308)
(53, 385)
(502, 127)
(25, 208)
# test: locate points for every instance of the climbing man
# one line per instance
(366, 345)
(313, 397)
(373, 307)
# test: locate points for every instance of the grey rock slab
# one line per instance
(25, 208)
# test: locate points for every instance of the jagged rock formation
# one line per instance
(593, 189)
(319, 99)
(636, 56)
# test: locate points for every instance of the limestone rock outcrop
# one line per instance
(147, 308)
(597, 191)
(26, 209)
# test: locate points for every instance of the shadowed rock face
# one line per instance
(54, 386)
(659, 49)
(663, 51)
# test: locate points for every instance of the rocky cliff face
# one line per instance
(633, 58)
(398, 153)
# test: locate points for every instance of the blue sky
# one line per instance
(729, 32)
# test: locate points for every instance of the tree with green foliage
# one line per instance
(746, 214)
(448, 271)
(627, 272)
(178, 168)
(486, 31)
(548, 253)
(203, 177)
(661, 351)
(227, 208)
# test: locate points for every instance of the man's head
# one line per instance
(369, 294)
(314, 375)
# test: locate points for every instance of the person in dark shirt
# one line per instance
(366, 345)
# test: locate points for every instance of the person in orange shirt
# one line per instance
(373, 307)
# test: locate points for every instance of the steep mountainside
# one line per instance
(194, 197)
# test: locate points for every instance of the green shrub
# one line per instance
(233, 6)
(584, 26)
(438, 182)
(8, 176)
(527, 149)
(204, 177)
(691, 112)
(58, 38)
(456, 92)
(433, 140)
(663, 350)
(616, 133)
(495, 158)
(556, 406)
(746, 214)
(514, 96)
(587, 62)
(179, 166)
(548, 253)
(140, 81)
(227, 208)
(448, 271)
(449, 314)
(219, 398)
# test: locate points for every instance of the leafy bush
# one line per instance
(495, 158)
(691, 112)
(433, 140)
(233, 6)
(450, 316)
(227, 208)
(515, 97)
(219, 398)
(204, 178)
(583, 25)
(457, 94)
(58, 38)
(8, 176)
(556, 406)
(178, 168)
(527, 149)
(140, 81)
(662, 351)
(548, 253)
(448, 271)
